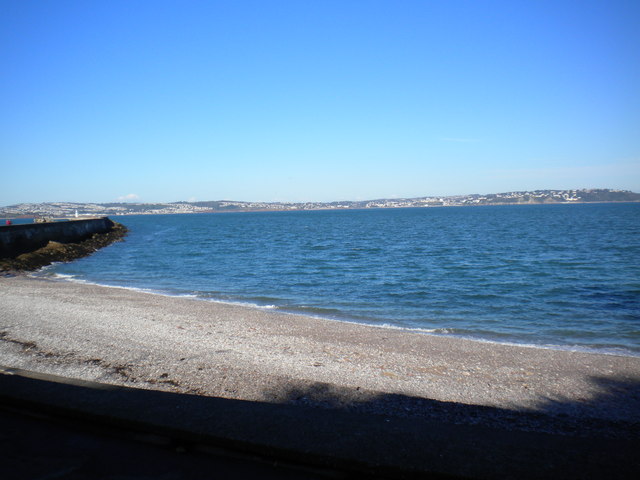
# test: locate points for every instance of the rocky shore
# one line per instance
(61, 252)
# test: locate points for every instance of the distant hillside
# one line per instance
(64, 209)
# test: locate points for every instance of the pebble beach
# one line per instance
(126, 337)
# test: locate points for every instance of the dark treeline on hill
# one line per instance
(66, 209)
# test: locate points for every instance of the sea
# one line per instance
(561, 276)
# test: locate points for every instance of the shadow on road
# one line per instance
(391, 436)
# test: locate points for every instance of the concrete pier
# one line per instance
(18, 239)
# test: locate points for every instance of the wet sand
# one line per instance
(124, 337)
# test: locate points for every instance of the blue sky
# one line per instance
(315, 100)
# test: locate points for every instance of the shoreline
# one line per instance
(608, 350)
(121, 337)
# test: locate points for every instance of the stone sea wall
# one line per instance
(19, 239)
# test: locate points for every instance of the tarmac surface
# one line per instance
(34, 446)
(55, 427)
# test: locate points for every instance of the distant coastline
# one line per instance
(533, 197)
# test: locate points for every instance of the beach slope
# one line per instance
(206, 349)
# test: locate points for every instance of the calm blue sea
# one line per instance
(566, 276)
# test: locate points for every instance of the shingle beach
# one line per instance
(131, 338)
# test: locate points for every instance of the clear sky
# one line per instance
(315, 100)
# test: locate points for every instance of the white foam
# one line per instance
(239, 303)
(64, 276)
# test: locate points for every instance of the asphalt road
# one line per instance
(37, 447)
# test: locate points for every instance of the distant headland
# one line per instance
(67, 209)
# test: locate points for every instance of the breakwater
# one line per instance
(18, 239)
